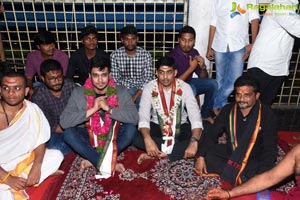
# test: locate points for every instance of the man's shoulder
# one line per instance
(142, 51)
(36, 54)
(78, 52)
(40, 93)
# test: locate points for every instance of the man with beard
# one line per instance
(45, 44)
(100, 120)
(251, 134)
(189, 61)
(131, 65)
(24, 130)
(52, 98)
(166, 105)
(80, 60)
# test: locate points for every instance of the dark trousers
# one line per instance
(269, 85)
(181, 141)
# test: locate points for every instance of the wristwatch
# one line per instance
(193, 139)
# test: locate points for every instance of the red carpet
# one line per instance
(152, 180)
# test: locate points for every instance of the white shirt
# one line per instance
(231, 25)
(147, 113)
(273, 47)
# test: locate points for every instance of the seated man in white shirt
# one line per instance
(165, 105)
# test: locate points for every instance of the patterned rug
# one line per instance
(154, 179)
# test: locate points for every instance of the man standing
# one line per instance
(131, 65)
(272, 51)
(24, 130)
(189, 61)
(109, 116)
(80, 60)
(251, 134)
(229, 43)
(45, 43)
(166, 104)
(52, 98)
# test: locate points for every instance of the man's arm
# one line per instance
(71, 66)
(150, 145)
(263, 181)
(126, 112)
(210, 53)
(148, 69)
(75, 112)
(15, 182)
(192, 148)
(193, 65)
(136, 95)
(35, 172)
(254, 32)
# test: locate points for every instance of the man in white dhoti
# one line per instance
(24, 130)
(165, 105)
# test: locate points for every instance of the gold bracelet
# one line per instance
(5, 178)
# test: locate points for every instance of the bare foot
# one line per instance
(85, 164)
(58, 172)
(209, 120)
(119, 167)
(144, 157)
(217, 111)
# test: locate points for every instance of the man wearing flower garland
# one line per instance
(165, 105)
(100, 120)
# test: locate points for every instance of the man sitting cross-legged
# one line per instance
(52, 97)
(24, 130)
(165, 105)
(109, 116)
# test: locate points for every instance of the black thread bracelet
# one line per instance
(229, 197)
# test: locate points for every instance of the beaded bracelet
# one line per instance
(229, 197)
(5, 178)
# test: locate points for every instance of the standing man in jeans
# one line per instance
(229, 43)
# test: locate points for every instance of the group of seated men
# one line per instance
(120, 103)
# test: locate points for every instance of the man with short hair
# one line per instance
(189, 61)
(166, 104)
(251, 134)
(52, 98)
(100, 120)
(285, 168)
(24, 130)
(80, 60)
(45, 44)
(131, 65)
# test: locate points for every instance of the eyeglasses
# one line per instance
(55, 78)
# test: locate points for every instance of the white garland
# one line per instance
(167, 120)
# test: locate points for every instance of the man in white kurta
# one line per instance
(22, 139)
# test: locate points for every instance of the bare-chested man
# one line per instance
(289, 165)
(24, 130)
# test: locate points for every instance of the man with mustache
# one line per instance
(52, 98)
(251, 134)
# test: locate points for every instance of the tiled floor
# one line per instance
(289, 119)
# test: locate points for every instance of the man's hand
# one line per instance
(200, 166)
(200, 61)
(151, 148)
(247, 52)
(210, 54)
(191, 150)
(216, 193)
(101, 103)
(16, 183)
(59, 129)
(193, 63)
(34, 175)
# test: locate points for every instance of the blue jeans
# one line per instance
(78, 139)
(57, 142)
(132, 91)
(209, 88)
(229, 66)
